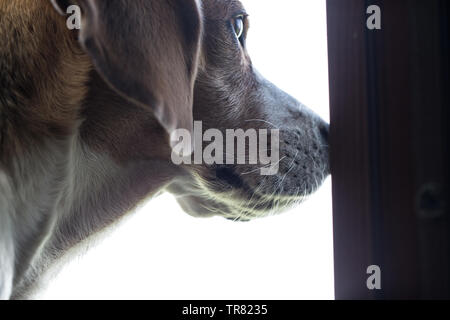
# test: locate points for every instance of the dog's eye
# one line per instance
(238, 25)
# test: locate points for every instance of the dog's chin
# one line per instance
(235, 209)
(238, 197)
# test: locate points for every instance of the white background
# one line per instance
(161, 253)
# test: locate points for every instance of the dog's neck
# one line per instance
(75, 155)
(42, 84)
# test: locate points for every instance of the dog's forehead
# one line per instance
(221, 9)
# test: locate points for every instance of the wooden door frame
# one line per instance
(389, 147)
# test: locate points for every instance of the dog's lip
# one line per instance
(228, 194)
(229, 176)
(229, 206)
(231, 184)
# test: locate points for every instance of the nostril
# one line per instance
(324, 129)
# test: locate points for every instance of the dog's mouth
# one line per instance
(228, 175)
(228, 192)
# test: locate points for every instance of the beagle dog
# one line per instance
(86, 119)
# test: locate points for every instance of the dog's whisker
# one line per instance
(264, 121)
(269, 166)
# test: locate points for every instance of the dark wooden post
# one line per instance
(389, 93)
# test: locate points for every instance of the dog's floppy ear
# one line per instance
(147, 50)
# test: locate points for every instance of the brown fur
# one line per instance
(37, 96)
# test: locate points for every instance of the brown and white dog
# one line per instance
(86, 116)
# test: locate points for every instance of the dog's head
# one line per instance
(186, 61)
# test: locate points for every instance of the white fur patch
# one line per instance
(6, 239)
